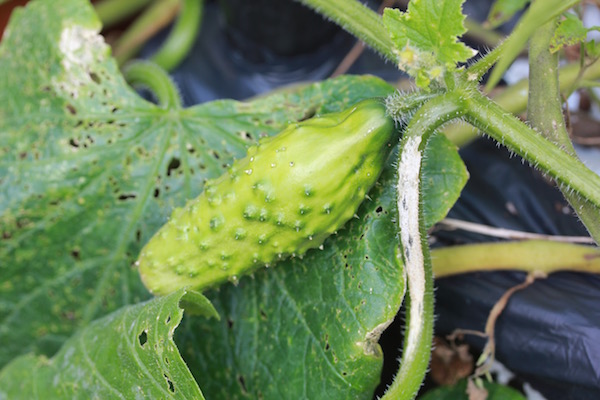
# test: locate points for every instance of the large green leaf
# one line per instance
(307, 328)
(129, 354)
(89, 170)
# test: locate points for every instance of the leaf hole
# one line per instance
(263, 314)
(379, 210)
(173, 165)
(138, 235)
(168, 319)
(95, 77)
(245, 135)
(127, 196)
(215, 154)
(71, 109)
(76, 254)
(74, 143)
(229, 323)
(156, 192)
(242, 383)
(170, 383)
(143, 338)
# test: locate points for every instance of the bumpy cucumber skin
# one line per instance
(286, 196)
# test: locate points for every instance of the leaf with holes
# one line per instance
(89, 170)
(309, 327)
(128, 354)
(306, 328)
(570, 31)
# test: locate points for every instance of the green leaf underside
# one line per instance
(128, 354)
(503, 10)
(570, 31)
(458, 391)
(426, 37)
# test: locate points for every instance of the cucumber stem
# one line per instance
(111, 12)
(526, 255)
(415, 249)
(545, 114)
(182, 35)
(359, 20)
(568, 171)
(150, 76)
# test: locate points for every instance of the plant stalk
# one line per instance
(111, 12)
(182, 36)
(415, 249)
(155, 18)
(514, 98)
(149, 75)
(527, 255)
(545, 114)
(569, 172)
(359, 20)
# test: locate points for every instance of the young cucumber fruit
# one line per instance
(286, 196)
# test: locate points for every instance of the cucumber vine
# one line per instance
(424, 43)
(67, 161)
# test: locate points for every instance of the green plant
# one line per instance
(89, 171)
(275, 202)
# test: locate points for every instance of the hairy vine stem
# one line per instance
(570, 173)
(415, 250)
(149, 75)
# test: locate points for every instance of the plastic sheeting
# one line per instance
(549, 333)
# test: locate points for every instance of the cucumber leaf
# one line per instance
(128, 354)
(89, 171)
(425, 38)
(570, 31)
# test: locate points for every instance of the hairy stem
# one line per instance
(568, 171)
(153, 19)
(415, 249)
(149, 75)
(545, 114)
(182, 36)
(359, 20)
(514, 98)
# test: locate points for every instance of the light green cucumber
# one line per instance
(286, 196)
